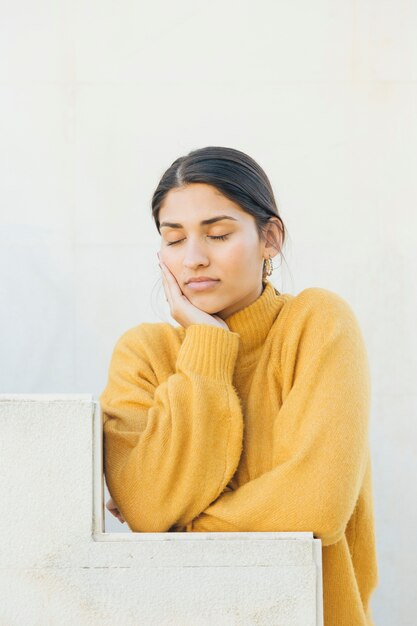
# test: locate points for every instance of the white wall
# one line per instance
(98, 98)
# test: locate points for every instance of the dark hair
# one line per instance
(235, 174)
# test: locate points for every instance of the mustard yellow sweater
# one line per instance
(263, 427)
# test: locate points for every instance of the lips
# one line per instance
(199, 279)
(202, 283)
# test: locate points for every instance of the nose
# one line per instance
(194, 255)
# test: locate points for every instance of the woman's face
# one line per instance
(227, 249)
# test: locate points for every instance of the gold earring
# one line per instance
(268, 266)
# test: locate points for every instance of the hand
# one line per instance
(111, 505)
(182, 310)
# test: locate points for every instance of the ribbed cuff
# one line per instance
(209, 351)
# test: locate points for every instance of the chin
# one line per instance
(210, 308)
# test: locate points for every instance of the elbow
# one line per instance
(333, 523)
(337, 506)
(327, 537)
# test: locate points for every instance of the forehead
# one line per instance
(197, 201)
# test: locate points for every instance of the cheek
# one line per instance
(239, 255)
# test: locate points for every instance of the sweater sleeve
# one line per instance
(320, 448)
(171, 448)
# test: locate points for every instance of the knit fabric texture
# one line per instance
(262, 427)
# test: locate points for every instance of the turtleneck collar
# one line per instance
(254, 321)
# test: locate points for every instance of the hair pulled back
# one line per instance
(235, 174)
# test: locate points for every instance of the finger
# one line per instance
(167, 291)
(171, 286)
(117, 514)
(171, 280)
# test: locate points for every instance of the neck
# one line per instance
(242, 304)
(253, 322)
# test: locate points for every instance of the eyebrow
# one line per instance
(211, 220)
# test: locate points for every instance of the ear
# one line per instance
(273, 237)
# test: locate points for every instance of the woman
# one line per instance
(252, 414)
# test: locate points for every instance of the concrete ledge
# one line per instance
(58, 566)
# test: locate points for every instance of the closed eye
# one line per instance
(172, 243)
